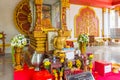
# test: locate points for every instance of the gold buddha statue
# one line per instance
(59, 42)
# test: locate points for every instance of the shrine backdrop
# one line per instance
(84, 19)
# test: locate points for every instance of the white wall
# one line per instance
(73, 10)
(7, 25)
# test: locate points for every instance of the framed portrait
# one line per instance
(46, 11)
(51, 36)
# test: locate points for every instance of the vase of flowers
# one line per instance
(17, 43)
(83, 39)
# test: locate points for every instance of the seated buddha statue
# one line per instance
(46, 23)
(59, 42)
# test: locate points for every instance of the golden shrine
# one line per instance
(38, 37)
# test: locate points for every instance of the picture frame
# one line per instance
(51, 36)
(46, 11)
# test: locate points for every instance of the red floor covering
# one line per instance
(109, 76)
(30, 74)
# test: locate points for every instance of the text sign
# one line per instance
(81, 76)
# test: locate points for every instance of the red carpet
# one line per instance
(109, 76)
(23, 74)
(30, 74)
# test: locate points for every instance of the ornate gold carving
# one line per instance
(22, 17)
(86, 22)
(39, 2)
(103, 9)
(64, 5)
(39, 15)
(117, 8)
(44, 25)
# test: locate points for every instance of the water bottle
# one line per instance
(54, 59)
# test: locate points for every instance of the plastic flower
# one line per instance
(70, 64)
(78, 63)
(83, 38)
(46, 63)
(91, 56)
(18, 41)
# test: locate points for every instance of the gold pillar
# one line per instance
(64, 5)
(38, 4)
(116, 16)
(103, 11)
(117, 9)
(109, 22)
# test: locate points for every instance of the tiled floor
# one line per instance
(6, 69)
(108, 53)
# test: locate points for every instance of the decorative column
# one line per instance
(116, 16)
(64, 5)
(119, 17)
(108, 22)
(38, 4)
(103, 20)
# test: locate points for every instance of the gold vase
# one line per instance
(18, 52)
(82, 46)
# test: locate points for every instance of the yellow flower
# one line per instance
(78, 63)
(47, 63)
(61, 60)
(70, 64)
(90, 56)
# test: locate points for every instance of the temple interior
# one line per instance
(60, 39)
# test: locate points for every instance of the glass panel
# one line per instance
(53, 12)
(50, 9)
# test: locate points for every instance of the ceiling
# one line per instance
(97, 3)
